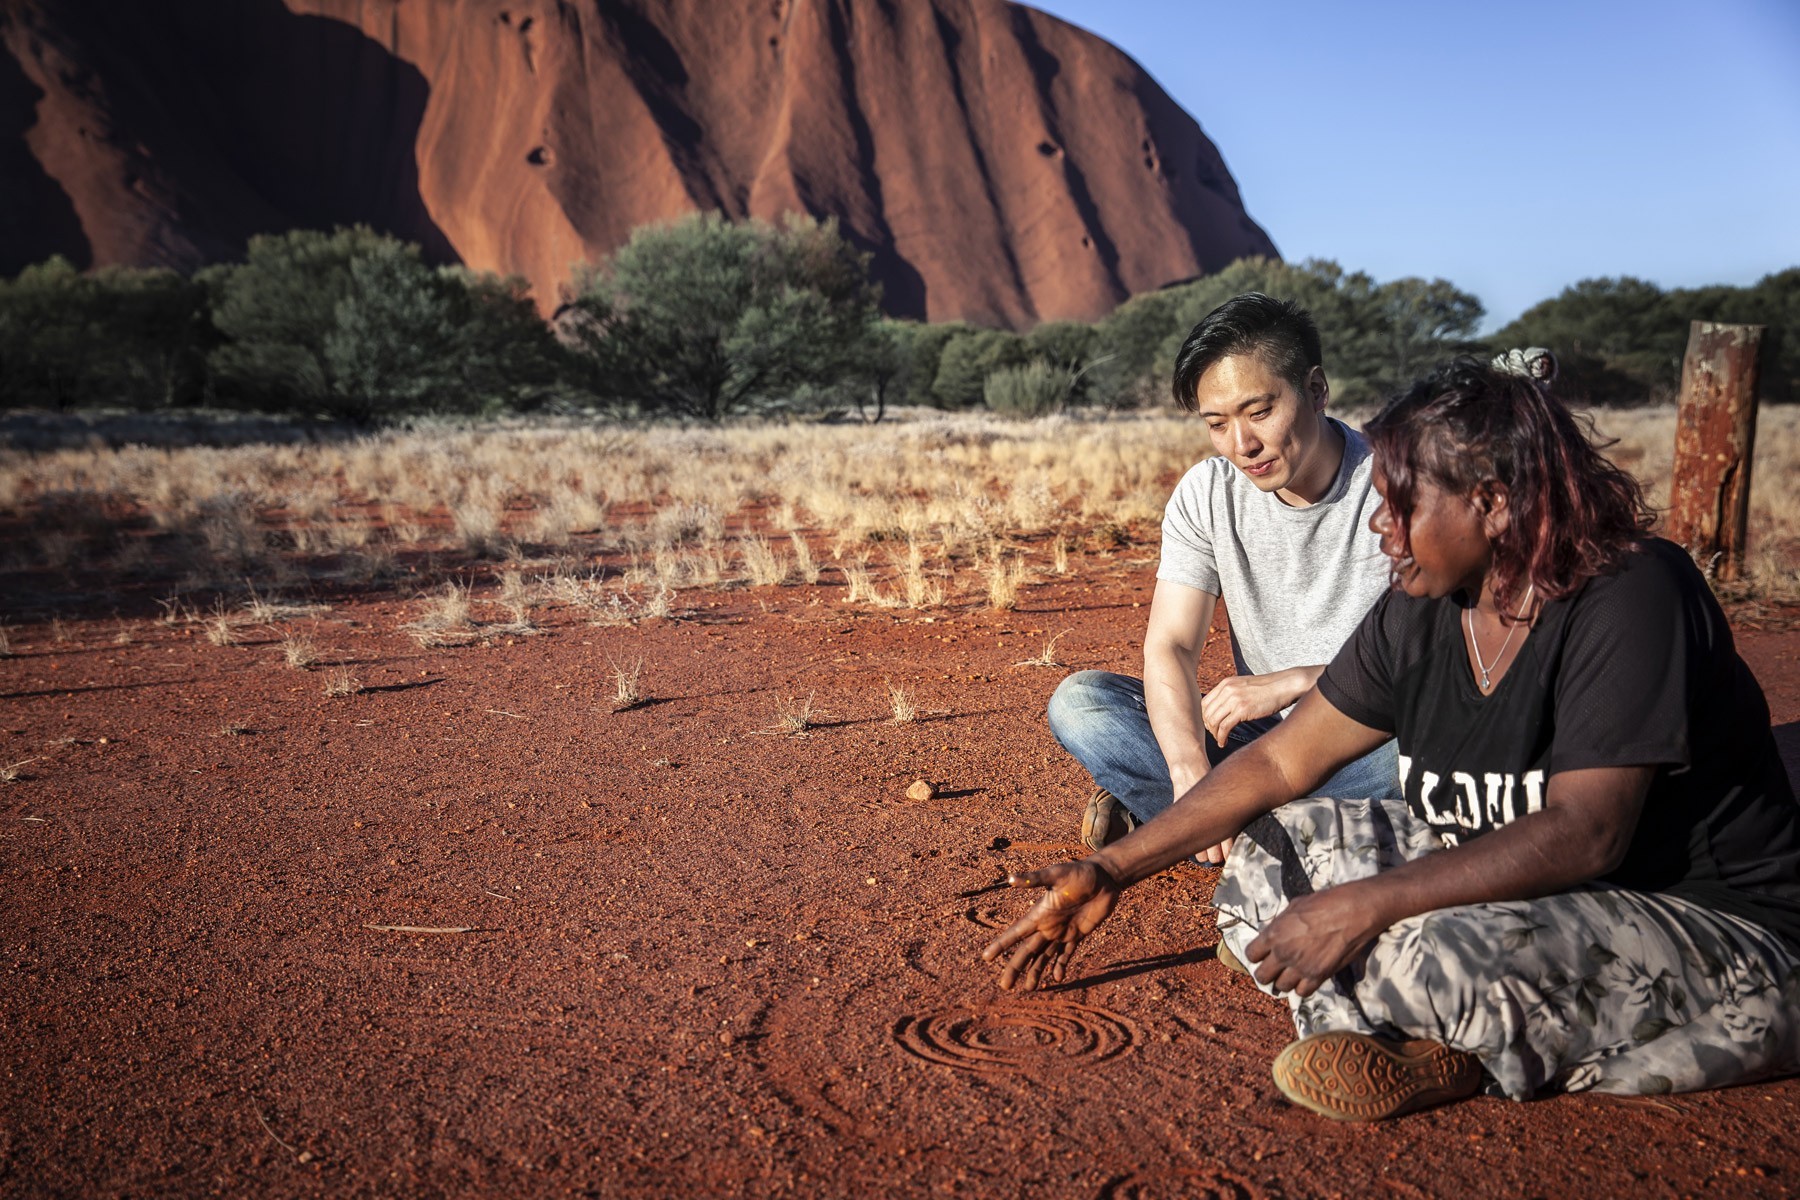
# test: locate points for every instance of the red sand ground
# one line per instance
(704, 958)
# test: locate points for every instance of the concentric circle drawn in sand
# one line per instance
(988, 916)
(1185, 1184)
(1015, 1038)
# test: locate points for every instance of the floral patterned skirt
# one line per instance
(1597, 988)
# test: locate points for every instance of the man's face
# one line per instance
(1256, 419)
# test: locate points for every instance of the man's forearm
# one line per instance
(1172, 702)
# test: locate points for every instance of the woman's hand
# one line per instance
(1314, 938)
(1080, 896)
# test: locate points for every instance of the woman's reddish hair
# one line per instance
(1574, 515)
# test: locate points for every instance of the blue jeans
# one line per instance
(1100, 718)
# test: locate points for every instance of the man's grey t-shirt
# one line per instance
(1296, 581)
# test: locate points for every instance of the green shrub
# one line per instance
(967, 361)
(924, 354)
(1035, 389)
(116, 336)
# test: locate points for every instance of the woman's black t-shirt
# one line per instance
(1635, 669)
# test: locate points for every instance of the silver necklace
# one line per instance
(1475, 644)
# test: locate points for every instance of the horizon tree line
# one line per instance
(704, 318)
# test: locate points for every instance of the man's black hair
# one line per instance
(1279, 332)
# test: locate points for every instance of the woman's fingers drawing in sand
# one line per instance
(1077, 897)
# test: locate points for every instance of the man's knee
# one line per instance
(1083, 700)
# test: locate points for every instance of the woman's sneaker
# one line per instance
(1105, 821)
(1359, 1077)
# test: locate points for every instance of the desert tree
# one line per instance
(115, 336)
(355, 325)
(706, 317)
(1621, 340)
(1417, 324)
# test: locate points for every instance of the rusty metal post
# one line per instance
(1715, 436)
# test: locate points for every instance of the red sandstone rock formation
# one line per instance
(1001, 166)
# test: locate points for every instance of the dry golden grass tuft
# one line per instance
(1003, 580)
(298, 651)
(477, 523)
(15, 772)
(900, 703)
(795, 717)
(627, 693)
(219, 629)
(1047, 656)
(764, 565)
(859, 585)
(266, 610)
(919, 589)
(446, 619)
(341, 681)
(517, 599)
(804, 562)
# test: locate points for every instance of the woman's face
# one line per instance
(1448, 542)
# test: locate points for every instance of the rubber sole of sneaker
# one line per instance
(1356, 1077)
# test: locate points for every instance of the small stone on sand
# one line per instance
(921, 789)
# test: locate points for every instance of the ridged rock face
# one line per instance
(1000, 165)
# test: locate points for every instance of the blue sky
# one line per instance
(1510, 148)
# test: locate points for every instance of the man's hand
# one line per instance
(1314, 938)
(1240, 698)
(1080, 896)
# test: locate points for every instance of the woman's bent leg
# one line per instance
(1600, 988)
(1303, 847)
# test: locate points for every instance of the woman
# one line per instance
(1593, 881)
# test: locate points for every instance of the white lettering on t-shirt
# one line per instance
(1534, 791)
(1428, 784)
(1498, 801)
(1468, 801)
(1499, 798)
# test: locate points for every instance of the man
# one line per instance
(1277, 524)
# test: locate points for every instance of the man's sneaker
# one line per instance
(1105, 821)
(1359, 1077)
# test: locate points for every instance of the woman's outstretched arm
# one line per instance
(1288, 761)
